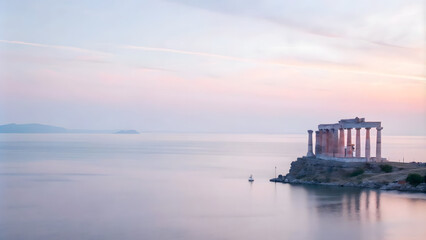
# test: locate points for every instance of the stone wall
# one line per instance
(342, 159)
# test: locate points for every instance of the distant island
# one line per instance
(42, 128)
(31, 128)
(127, 132)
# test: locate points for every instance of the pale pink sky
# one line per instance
(270, 67)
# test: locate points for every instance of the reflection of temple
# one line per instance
(351, 203)
(330, 141)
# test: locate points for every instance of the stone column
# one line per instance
(324, 142)
(317, 142)
(341, 142)
(367, 144)
(310, 153)
(358, 143)
(335, 143)
(329, 143)
(349, 143)
(379, 144)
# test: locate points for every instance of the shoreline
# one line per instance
(313, 171)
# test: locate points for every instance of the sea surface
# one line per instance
(189, 186)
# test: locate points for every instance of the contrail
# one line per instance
(299, 66)
(75, 49)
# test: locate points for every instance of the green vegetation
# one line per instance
(414, 179)
(386, 168)
(356, 172)
(368, 166)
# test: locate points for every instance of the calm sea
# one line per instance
(189, 186)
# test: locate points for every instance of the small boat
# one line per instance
(251, 178)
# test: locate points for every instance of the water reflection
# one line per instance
(184, 187)
(342, 213)
(353, 213)
(348, 203)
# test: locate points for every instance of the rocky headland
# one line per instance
(42, 128)
(378, 175)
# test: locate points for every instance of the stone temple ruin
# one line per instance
(330, 141)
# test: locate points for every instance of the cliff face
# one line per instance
(387, 176)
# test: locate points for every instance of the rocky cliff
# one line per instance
(386, 176)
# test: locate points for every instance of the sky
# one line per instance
(226, 66)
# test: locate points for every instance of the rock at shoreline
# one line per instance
(310, 170)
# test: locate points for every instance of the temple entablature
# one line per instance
(346, 125)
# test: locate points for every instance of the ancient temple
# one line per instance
(330, 141)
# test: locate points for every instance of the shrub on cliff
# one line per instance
(368, 166)
(414, 179)
(356, 172)
(386, 168)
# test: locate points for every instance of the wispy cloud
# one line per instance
(327, 29)
(155, 69)
(202, 54)
(68, 48)
(336, 34)
(335, 68)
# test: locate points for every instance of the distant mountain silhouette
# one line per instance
(30, 128)
(41, 128)
(127, 132)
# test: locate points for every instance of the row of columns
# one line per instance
(331, 143)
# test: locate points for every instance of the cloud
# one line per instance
(68, 48)
(330, 20)
(202, 54)
(155, 69)
(330, 68)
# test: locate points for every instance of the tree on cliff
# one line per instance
(414, 179)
